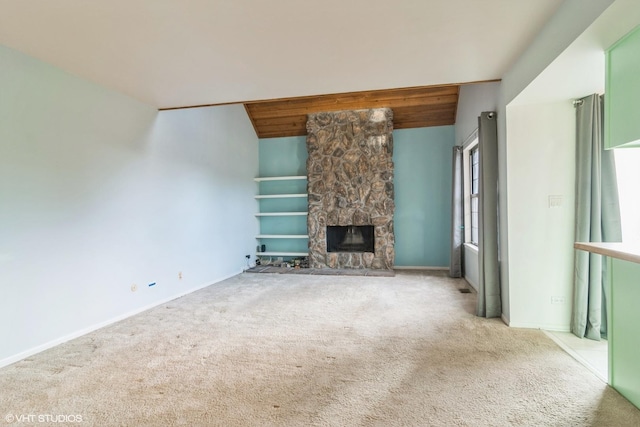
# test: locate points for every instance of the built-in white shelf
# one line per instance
(281, 214)
(282, 254)
(282, 236)
(282, 192)
(279, 178)
(280, 196)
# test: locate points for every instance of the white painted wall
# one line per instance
(99, 192)
(571, 19)
(473, 100)
(540, 163)
(471, 271)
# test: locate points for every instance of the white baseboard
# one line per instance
(472, 284)
(543, 326)
(40, 348)
(409, 267)
(557, 328)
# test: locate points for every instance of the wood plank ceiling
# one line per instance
(412, 107)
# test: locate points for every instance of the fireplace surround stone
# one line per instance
(350, 183)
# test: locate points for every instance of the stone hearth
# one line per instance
(350, 183)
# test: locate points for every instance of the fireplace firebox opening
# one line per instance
(350, 238)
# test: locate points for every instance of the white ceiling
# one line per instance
(171, 53)
(580, 69)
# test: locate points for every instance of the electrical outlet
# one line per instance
(180, 275)
(134, 287)
(558, 300)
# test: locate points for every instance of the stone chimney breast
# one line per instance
(350, 184)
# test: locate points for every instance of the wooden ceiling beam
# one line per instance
(364, 95)
(284, 110)
(412, 107)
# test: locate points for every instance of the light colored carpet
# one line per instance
(272, 350)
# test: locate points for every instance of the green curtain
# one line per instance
(488, 302)
(457, 215)
(597, 218)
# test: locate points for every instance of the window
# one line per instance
(471, 167)
(474, 169)
(628, 174)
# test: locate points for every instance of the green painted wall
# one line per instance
(624, 316)
(422, 222)
(622, 127)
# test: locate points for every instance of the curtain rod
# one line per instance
(577, 102)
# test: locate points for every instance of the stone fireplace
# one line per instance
(350, 186)
(350, 238)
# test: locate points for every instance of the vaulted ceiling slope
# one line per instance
(200, 52)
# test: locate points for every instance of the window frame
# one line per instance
(474, 183)
(471, 225)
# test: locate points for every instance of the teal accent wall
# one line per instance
(422, 221)
(283, 156)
